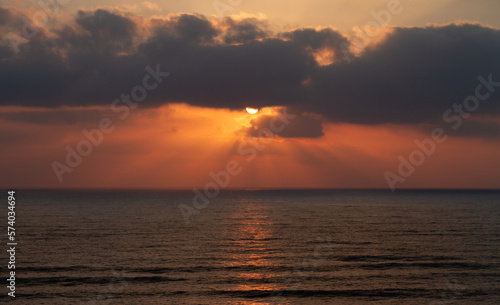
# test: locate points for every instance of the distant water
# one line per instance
(258, 247)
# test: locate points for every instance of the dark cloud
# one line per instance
(469, 128)
(56, 117)
(193, 27)
(108, 31)
(411, 77)
(5, 52)
(5, 16)
(316, 40)
(479, 129)
(10, 18)
(182, 29)
(300, 126)
(244, 31)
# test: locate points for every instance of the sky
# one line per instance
(153, 94)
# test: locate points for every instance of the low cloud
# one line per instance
(410, 77)
(301, 126)
(56, 117)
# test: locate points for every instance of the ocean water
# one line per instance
(257, 247)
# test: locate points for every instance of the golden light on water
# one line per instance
(252, 110)
(251, 244)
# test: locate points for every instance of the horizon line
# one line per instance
(248, 188)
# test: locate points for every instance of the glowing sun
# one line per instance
(252, 110)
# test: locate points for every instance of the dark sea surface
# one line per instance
(256, 247)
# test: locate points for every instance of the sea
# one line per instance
(267, 246)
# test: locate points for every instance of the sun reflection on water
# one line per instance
(251, 248)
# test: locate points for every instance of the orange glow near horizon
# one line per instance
(179, 145)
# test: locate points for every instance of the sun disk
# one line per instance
(252, 110)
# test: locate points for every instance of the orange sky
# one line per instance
(342, 14)
(170, 143)
(179, 145)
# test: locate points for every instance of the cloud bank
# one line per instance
(411, 76)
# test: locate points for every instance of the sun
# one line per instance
(252, 110)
